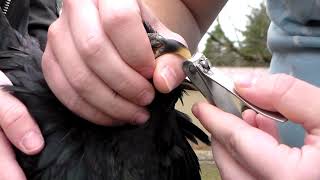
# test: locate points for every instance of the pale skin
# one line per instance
(250, 149)
(103, 59)
(97, 57)
(94, 66)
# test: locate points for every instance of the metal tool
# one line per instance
(219, 89)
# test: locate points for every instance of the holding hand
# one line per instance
(250, 149)
(16, 126)
(98, 60)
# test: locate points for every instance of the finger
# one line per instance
(9, 168)
(101, 56)
(133, 45)
(18, 125)
(67, 95)
(295, 99)
(88, 85)
(249, 116)
(249, 146)
(265, 124)
(168, 74)
(228, 167)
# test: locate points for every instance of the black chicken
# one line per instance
(79, 150)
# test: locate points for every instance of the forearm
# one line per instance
(189, 18)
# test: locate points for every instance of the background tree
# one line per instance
(251, 51)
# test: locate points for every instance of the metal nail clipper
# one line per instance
(219, 89)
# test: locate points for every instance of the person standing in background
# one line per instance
(294, 40)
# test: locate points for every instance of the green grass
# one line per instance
(209, 171)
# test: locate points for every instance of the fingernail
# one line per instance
(32, 141)
(169, 76)
(195, 109)
(146, 98)
(245, 81)
(141, 117)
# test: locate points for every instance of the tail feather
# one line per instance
(190, 130)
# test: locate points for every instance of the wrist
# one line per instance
(189, 18)
(177, 17)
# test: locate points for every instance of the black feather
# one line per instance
(78, 149)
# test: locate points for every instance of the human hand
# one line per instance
(98, 60)
(16, 126)
(250, 149)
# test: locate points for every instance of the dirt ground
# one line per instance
(209, 171)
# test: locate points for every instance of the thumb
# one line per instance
(168, 73)
(295, 99)
(251, 147)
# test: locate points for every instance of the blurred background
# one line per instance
(236, 44)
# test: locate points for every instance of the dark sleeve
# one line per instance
(42, 14)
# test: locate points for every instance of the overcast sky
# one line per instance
(233, 16)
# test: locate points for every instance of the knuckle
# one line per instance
(12, 115)
(123, 85)
(91, 46)
(282, 85)
(45, 63)
(234, 139)
(45, 57)
(68, 3)
(81, 82)
(78, 105)
(53, 30)
(116, 108)
(133, 91)
(114, 102)
(97, 117)
(74, 103)
(119, 17)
